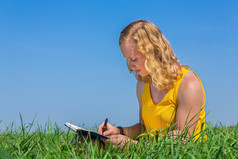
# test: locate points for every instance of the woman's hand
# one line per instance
(110, 130)
(120, 140)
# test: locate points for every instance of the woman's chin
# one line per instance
(142, 74)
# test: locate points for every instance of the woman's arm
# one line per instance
(190, 100)
(132, 131)
(136, 129)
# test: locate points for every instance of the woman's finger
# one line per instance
(100, 128)
(108, 132)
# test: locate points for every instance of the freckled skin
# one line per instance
(135, 58)
(190, 99)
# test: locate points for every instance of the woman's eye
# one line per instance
(133, 60)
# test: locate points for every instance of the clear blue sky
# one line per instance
(61, 59)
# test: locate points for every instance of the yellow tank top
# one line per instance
(163, 115)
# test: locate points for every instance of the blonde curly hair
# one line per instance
(160, 57)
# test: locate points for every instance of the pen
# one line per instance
(105, 126)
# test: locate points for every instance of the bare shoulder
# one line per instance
(139, 89)
(190, 81)
(190, 87)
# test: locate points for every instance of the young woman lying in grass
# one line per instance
(168, 92)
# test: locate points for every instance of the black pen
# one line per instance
(105, 126)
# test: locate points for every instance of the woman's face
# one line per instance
(136, 60)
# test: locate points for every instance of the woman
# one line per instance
(169, 95)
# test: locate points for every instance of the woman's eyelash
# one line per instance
(133, 59)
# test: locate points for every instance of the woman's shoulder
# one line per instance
(140, 84)
(190, 93)
(189, 85)
(190, 80)
(140, 88)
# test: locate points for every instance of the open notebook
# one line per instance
(82, 131)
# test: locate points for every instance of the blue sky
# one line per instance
(61, 59)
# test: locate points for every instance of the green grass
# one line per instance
(51, 141)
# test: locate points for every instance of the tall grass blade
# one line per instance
(22, 125)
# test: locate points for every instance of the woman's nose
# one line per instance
(131, 65)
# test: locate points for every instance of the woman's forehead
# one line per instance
(129, 50)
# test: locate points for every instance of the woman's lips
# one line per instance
(137, 71)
